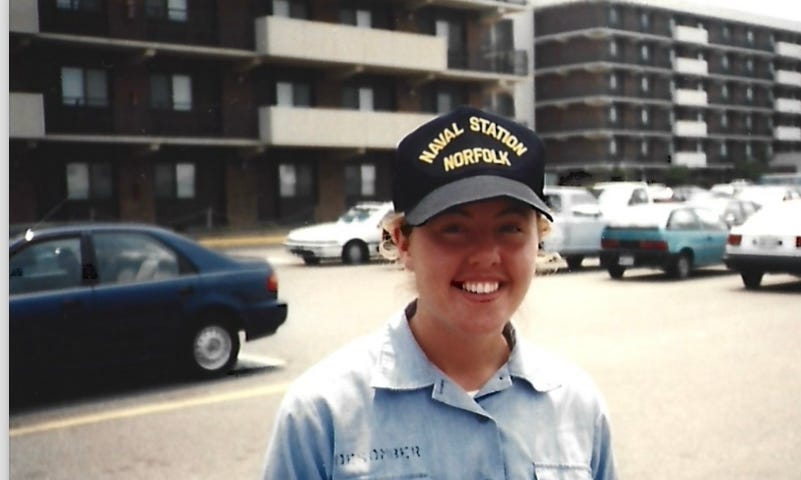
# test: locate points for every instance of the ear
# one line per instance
(401, 242)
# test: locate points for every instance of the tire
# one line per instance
(752, 280)
(574, 261)
(616, 271)
(681, 266)
(355, 252)
(213, 349)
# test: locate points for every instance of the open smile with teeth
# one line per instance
(480, 287)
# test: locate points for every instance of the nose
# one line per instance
(485, 250)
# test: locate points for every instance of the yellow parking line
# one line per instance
(148, 409)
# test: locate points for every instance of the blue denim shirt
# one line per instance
(378, 409)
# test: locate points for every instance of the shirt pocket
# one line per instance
(561, 472)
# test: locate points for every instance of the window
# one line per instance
(288, 94)
(613, 114)
(133, 257)
(725, 32)
(357, 17)
(644, 84)
(613, 82)
(644, 116)
(360, 180)
(724, 91)
(613, 48)
(290, 9)
(88, 181)
(749, 65)
(748, 149)
(724, 150)
(748, 122)
(645, 52)
(175, 180)
(173, 10)
(614, 17)
(724, 120)
(645, 20)
(171, 92)
(358, 98)
(710, 220)
(79, 5)
(295, 180)
(749, 37)
(724, 62)
(682, 220)
(46, 265)
(612, 147)
(644, 147)
(84, 87)
(749, 94)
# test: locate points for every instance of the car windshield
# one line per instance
(357, 214)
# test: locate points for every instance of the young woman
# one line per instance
(447, 391)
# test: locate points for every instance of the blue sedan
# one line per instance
(674, 237)
(98, 296)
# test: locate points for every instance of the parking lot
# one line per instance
(701, 377)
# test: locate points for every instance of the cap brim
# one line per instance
(472, 189)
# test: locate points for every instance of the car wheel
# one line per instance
(574, 261)
(354, 252)
(752, 280)
(214, 348)
(616, 271)
(681, 266)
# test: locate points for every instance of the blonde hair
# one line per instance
(396, 221)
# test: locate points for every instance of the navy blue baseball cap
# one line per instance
(465, 156)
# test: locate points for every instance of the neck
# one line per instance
(468, 360)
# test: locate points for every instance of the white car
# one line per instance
(768, 242)
(353, 238)
(614, 197)
(577, 227)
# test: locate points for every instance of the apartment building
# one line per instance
(237, 113)
(625, 89)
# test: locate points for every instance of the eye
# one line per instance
(452, 228)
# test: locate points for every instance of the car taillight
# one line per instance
(609, 243)
(653, 245)
(797, 242)
(734, 240)
(272, 283)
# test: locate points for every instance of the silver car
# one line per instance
(577, 226)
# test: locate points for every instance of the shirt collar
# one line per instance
(402, 365)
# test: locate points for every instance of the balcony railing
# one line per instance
(684, 33)
(349, 45)
(685, 96)
(335, 128)
(26, 115)
(690, 159)
(787, 49)
(513, 62)
(689, 128)
(788, 105)
(788, 77)
(693, 66)
(786, 133)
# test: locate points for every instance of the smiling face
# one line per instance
(472, 265)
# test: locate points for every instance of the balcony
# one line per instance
(690, 159)
(788, 105)
(23, 16)
(787, 134)
(348, 45)
(787, 49)
(692, 66)
(689, 128)
(683, 96)
(335, 128)
(788, 77)
(26, 115)
(683, 33)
